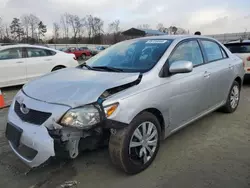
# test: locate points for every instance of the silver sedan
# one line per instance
(130, 96)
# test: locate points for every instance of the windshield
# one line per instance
(239, 47)
(131, 56)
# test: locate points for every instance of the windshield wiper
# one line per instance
(84, 64)
(108, 68)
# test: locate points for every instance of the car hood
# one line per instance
(75, 86)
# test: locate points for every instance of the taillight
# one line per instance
(248, 59)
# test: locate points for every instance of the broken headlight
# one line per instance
(82, 118)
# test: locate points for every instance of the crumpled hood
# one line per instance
(75, 86)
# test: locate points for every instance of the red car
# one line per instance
(79, 53)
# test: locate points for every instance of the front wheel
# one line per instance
(134, 148)
(232, 99)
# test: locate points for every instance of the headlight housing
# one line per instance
(82, 118)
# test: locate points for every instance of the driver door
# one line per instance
(189, 91)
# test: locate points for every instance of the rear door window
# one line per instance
(213, 50)
(39, 52)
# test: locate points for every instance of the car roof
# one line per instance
(24, 45)
(176, 37)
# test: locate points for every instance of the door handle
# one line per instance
(207, 74)
(230, 66)
(19, 62)
(48, 59)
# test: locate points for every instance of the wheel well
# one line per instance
(238, 79)
(160, 118)
(58, 66)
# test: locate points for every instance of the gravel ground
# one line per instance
(213, 152)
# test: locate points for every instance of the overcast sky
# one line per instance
(208, 16)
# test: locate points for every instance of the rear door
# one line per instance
(12, 67)
(220, 68)
(39, 61)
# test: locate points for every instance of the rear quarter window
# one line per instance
(238, 47)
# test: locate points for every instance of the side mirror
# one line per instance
(181, 67)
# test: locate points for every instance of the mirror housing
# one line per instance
(181, 67)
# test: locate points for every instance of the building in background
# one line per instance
(135, 32)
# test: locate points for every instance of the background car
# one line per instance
(97, 49)
(242, 50)
(21, 63)
(79, 53)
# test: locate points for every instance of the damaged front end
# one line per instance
(79, 129)
(87, 127)
(50, 129)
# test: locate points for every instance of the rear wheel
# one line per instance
(134, 148)
(232, 99)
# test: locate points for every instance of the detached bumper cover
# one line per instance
(35, 137)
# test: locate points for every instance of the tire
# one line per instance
(83, 56)
(230, 107)
(57, 68)
(131, 159)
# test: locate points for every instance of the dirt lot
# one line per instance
(213, 152)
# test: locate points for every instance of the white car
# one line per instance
(21, 63)
(242, 50)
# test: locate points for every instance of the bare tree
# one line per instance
(42, 29)
(25, 21)
(97, 28)
(181, 31)
(114, 28)
(143, 26)
(94, 27)
(65, 24)
(89, 23)
(173, 30)
(56, 29)
(161, 28)
(76, 24)
(1, 29)
(7, 31)
(33, 22)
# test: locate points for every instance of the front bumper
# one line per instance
(35, 137)
(39, 136)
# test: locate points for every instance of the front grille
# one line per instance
(33, 116)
